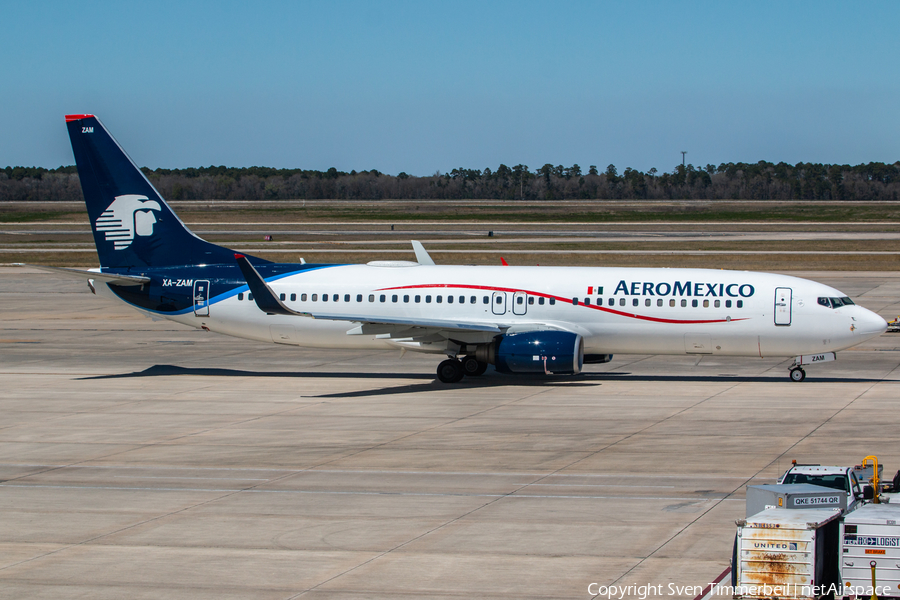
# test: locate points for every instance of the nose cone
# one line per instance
(869, 324)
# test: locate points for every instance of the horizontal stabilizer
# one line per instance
(84, 274)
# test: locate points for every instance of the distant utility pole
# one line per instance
(683, 152)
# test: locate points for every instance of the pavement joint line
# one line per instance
(374, 471)
(233, 491)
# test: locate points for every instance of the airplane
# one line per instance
(544, 320)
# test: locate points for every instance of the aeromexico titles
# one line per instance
(518, 319)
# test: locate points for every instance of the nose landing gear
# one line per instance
(796, 369)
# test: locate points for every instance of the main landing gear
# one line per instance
(453, 370)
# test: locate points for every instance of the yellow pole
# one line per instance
(874, 597)
(874, 459)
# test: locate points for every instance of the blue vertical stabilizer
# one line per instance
(132, 224)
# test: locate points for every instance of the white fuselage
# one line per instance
(618, 310)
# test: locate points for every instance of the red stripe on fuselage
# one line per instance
(559, 299)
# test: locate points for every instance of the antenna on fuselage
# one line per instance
(422, 256)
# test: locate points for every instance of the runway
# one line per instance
(141, 459)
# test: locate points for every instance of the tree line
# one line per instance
(727, 181)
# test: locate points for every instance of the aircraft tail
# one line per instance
(132, 224)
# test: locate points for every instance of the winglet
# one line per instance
(503, 262)
(265, 298)
(422, 256)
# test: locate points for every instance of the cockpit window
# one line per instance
(835, 302)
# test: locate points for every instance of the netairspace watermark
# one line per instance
(712, 589)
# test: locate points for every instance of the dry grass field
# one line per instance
(775, 236)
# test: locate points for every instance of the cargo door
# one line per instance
(782, 306)
(697, 343)
(498, 303)
(520, 303)
(201, 298)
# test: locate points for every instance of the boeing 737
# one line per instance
(549, 320)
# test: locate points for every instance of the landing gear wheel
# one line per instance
(450, 371)
(473, 367)
(798, 374)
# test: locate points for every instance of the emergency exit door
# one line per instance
(782, 306)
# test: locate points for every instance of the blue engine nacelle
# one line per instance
(558, 352)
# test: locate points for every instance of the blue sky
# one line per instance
(427, 86)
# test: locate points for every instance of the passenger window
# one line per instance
(587, 301)
(683, 303)
(706, 304)
(462, 300)
(541, 301)
(575, 301)
(241, 296)
(406, 298)
(530, 299)
(621, 301)
(418, 299)
(359, 297)
(718, 304)
(281, 297)
(336, 297)
(612, 301)
(346, 297)
(302, 297)
(659, 302)
(728, 304)
(693, 303)
(552, 301)
(315, 297)
(672, 302)
(449, 299)
(394, 298)
(499, 300)
(249, 296)
(472, 300)
(293, 297)
(647, 302)
(382, 298)
(740, 304)
(371, 297)
(324, 297)
(439, 299)
(427, 299)
(486, 300)
(635, 301)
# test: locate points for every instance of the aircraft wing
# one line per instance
(269, 302)
(98, 276)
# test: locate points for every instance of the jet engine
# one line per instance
(551, 352)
